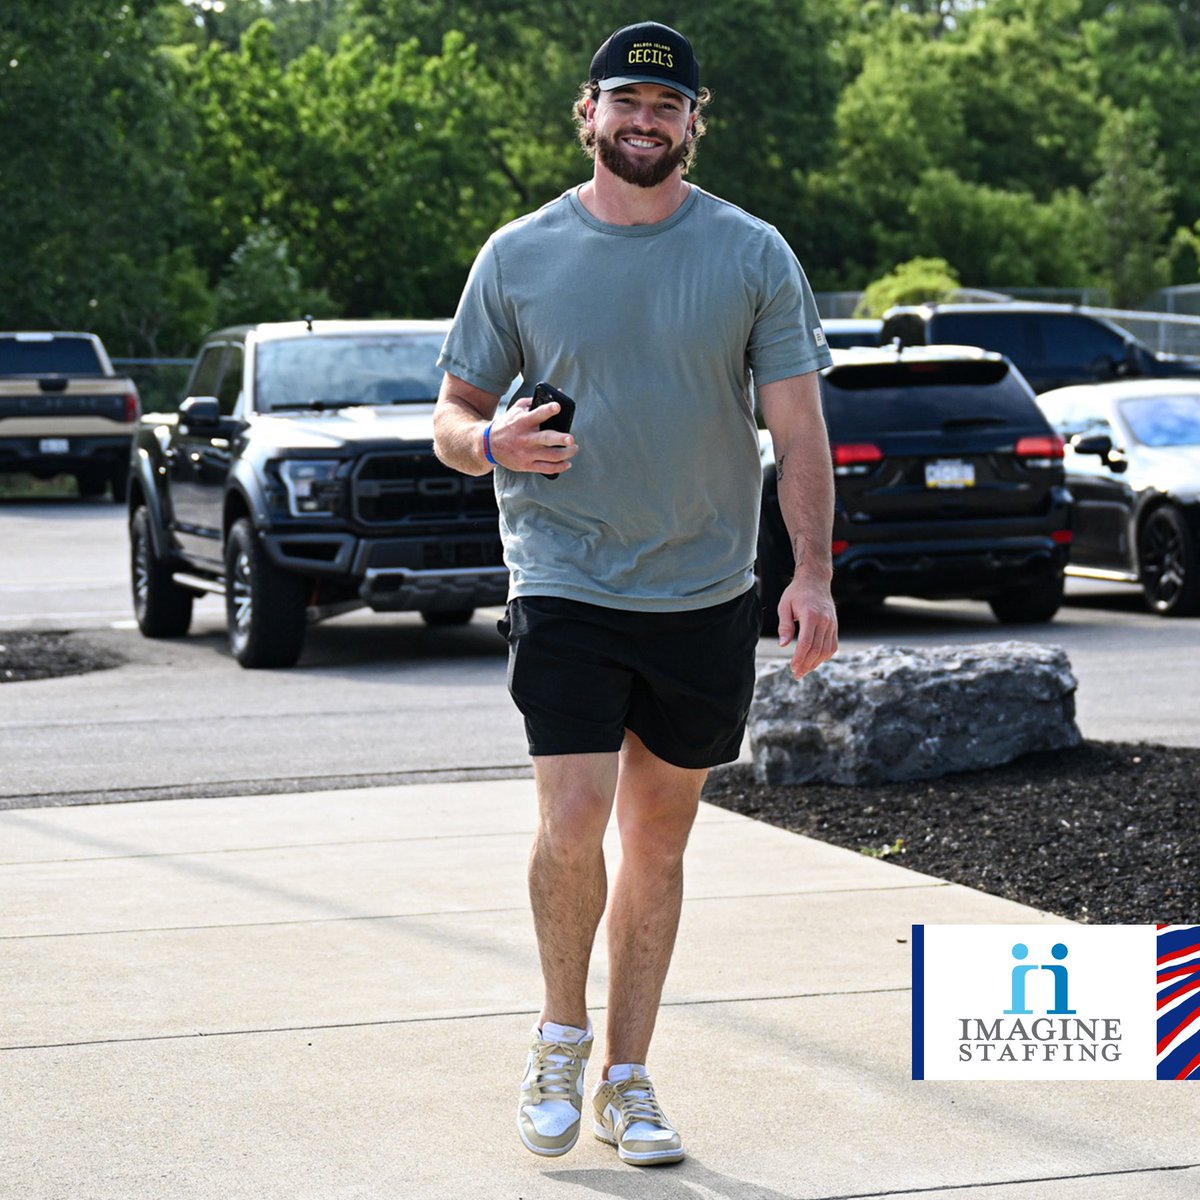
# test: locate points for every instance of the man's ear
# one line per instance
(589, 111)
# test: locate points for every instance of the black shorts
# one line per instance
(682, 681)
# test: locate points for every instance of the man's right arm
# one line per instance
(516, 438)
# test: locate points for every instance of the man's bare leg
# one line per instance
(656, 806)
(567, 879)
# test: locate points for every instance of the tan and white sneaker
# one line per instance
(551, 1103)
(629, 1117)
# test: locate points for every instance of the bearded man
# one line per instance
(633, 618)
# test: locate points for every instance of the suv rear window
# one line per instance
(891, 397)
(49, 356)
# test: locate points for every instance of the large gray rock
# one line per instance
(892, 713)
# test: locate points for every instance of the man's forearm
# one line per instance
(805, 486)
(458, 434)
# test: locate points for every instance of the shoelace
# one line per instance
(635, 1098)
(553, 1079)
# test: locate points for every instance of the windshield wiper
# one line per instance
(317, 405)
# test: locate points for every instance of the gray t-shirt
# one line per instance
(654, 330)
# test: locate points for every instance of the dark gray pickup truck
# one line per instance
(298, 480)
(65, 411)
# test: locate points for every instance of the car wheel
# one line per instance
(163, 608)
(1029, 605)
(264, 606)
(448, 616)
(1167, 564)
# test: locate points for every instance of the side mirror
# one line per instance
(1101, 445)
(1092, 443)
(200, 414)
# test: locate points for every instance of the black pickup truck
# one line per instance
(298, 480)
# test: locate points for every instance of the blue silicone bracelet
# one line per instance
(487, 446)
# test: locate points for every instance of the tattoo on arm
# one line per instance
(779, 467)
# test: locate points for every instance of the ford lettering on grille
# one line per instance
(413, 487)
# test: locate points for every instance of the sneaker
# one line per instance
(628, 1116)
(551, 1103)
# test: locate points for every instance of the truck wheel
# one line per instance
(119, 479)
(1169, 564)
(1029, 605)
(448, 616)
(264, 606)
(91, 482)
(163, 608)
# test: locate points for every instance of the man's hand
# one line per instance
(521, 444)
(806, 612)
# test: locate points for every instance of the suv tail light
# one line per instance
(133, 408)
(855, 458)
(1040, 451)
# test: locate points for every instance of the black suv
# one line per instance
(298, 480)
(1052, 345)
(949, 485)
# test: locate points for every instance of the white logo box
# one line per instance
(1056, 1001)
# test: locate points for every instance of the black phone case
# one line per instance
(561, 421)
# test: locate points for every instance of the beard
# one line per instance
(641, 173)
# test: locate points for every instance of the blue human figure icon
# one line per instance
(1020, 951)
(1060, 1009)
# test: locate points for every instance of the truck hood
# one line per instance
(347, 427)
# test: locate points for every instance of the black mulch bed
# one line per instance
(1105, 833)
(47, 655)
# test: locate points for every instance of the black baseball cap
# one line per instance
(647, 53)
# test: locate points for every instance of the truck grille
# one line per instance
(410, 487)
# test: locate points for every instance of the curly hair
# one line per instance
(587, 137)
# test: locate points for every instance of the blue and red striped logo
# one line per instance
(1178, 964)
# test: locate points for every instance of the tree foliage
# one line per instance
(171, 163)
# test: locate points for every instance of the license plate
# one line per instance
(54, 445)
(949, 473)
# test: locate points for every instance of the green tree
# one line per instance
(918, 281)
(94, 227)
(1132, 202)
(261, 284)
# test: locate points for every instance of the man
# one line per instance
(633, 620)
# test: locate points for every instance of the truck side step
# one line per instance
(198, 584)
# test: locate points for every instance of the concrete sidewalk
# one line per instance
(328, 996)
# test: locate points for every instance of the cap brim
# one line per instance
(616, 81)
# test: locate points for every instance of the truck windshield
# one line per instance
(338, 371)
(48, 356)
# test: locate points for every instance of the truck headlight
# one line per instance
(313, 488)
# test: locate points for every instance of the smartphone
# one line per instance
(561, 421)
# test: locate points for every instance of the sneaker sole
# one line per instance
(647, 1158)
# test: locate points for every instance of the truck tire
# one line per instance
(444, 617)
(163, 609)
(119, 479)
(92, 481)
(264, 606)
(1033, 604)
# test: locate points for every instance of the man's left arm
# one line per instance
(792, 410)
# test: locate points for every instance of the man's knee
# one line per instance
(575, 797)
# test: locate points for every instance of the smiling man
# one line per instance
(633, 619)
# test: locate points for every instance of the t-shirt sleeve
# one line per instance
(787, 338)
(483, 346)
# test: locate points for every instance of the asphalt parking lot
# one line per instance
(382, 698)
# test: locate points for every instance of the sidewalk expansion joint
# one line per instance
(996, 1183)
(425, 1020)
